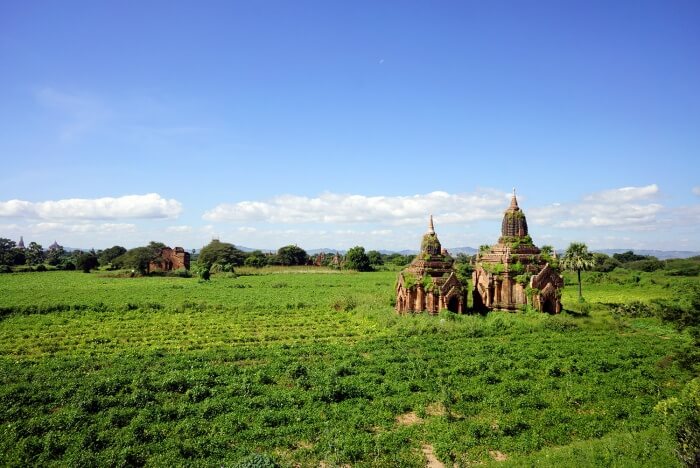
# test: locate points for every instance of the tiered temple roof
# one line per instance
(513, 273)
(430, 283)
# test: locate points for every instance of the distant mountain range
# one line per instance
(660, 254)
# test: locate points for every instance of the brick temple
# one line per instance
(170, 259)
(514, 273)
(430, 283)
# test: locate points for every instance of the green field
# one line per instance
(316, 369)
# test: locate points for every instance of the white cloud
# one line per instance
(624, 194)
(623, 208)
(696, 191)
(102, 228)
(149, 206)
(178, 229)
(345, 208)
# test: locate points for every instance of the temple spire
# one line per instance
(513, 200)
(431, 228)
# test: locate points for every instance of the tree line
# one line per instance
(215, 257)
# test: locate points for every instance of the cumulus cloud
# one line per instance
(623, 208)
(180, 229)
(99, 228)
(624, 194)
(148, 206)
(332, 208)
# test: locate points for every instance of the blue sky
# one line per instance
(332, 124)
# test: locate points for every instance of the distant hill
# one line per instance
(660, 254)
(325, 251)
(462, 250)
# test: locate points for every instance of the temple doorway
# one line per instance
(453, 304)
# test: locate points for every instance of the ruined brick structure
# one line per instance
(514, 272)
(430, 283)
(336, 261)
(170, 259)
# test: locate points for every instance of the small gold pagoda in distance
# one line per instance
(514, 273)
(430, 283)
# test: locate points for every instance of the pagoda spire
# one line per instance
(431, 228)
(513, 201)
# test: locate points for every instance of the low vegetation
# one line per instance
(276, 368)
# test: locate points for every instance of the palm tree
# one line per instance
(577, 258)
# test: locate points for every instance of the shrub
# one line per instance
(682, 417)
(40, 267)
(649, 264)
(180, 273)
(345, 304)
(635, 309)
(5, 269)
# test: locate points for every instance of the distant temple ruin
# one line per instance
(514, 273)
(430, 283)
(170, 259)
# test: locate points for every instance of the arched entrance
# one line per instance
(453, 304)
(549, 305)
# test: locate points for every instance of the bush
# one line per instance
(257, 460)
(345, 304)
(635, 309)
(682, 417)
(180, 273)
(40, 267)
(5, 269)
(649, 265)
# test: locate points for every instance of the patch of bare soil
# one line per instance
(430, 458)
(498, 456)
(408, 419)
(436, 409)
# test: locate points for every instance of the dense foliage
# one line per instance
(223, 254)
(290, 255)
(357, 259)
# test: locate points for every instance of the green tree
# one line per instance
(86, 261)
(357, 259)
(34, 254)
(9, 253)
(577, 258)
(375, 258)
(605, 263)
(106, 256)
(256, 259)
(291, 255)
(628, 256)
(56, 255)
(222, 253)
(136, 259)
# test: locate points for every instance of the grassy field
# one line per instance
(314, 368)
